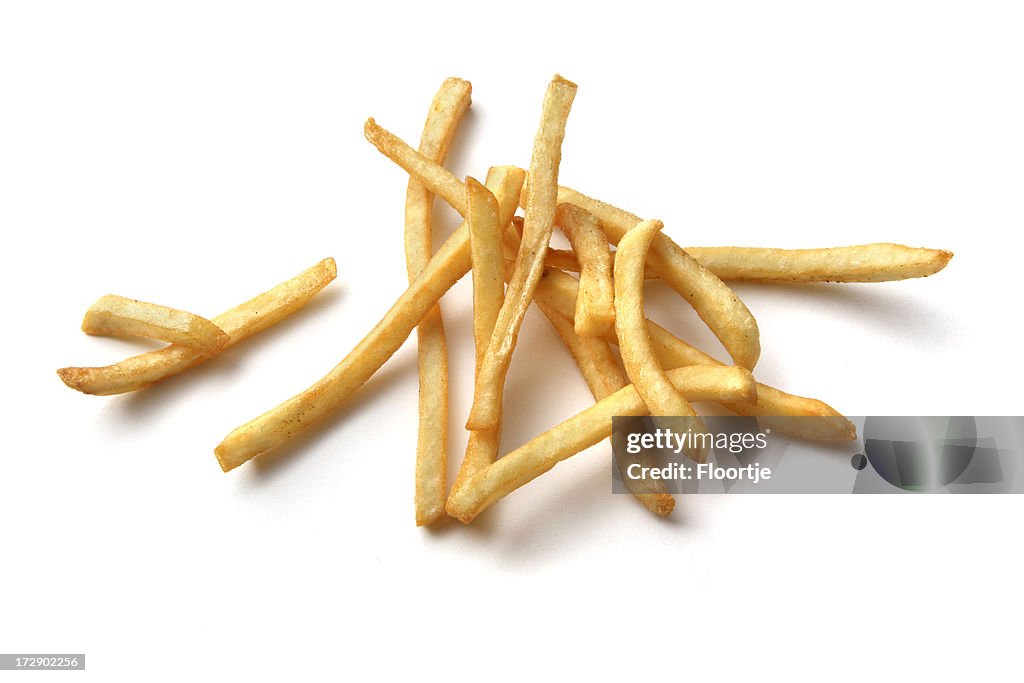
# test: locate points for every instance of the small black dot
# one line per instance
(859, 461)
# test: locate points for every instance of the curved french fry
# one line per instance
(642, 365)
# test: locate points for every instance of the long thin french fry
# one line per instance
(241, 322)
(585, 429)
(538, 222)
(446, 111)
(450, 263)
(860, 263)
(717, 305)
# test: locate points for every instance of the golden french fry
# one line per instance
(117, 316)
(862, 263)
(432, 175)
(485, 243)
(450, 263)
(586, 429)
(642, 365)
(604, 377)
(772, 407)
(595, 305)
(717, 305)
(538, 222)
(241, 322)
(485, 240)
(446, 111)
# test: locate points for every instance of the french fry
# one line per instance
(117, 316)
(642, 365)
(446, 111)
(241, 322)
(773, 407)
(595, 305)
(862, 263)
(485, 240)
(716, 304)
(447, 266)
(584, 430)
(604, 377)
(432, 175)
(538, 222)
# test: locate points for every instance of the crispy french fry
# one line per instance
(642, 365)
(434, 177)
(485, 243)
(604, 377)
(595, 305)
(772, 407)
(485, 240)
(862, 263)
(586, 429)
(450, 263)
(538, 222)
(241, 322)
(446, 111)
(717, 305)
(116, 316)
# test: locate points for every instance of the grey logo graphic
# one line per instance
(928, 453)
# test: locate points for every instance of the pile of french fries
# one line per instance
(655, 373)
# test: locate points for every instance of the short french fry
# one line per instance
(116, 316)
(241, 322)
(595, 305)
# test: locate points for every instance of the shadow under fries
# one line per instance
(880, 306)
(577, 509)
(139, 405)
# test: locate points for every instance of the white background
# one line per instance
(195, 154)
